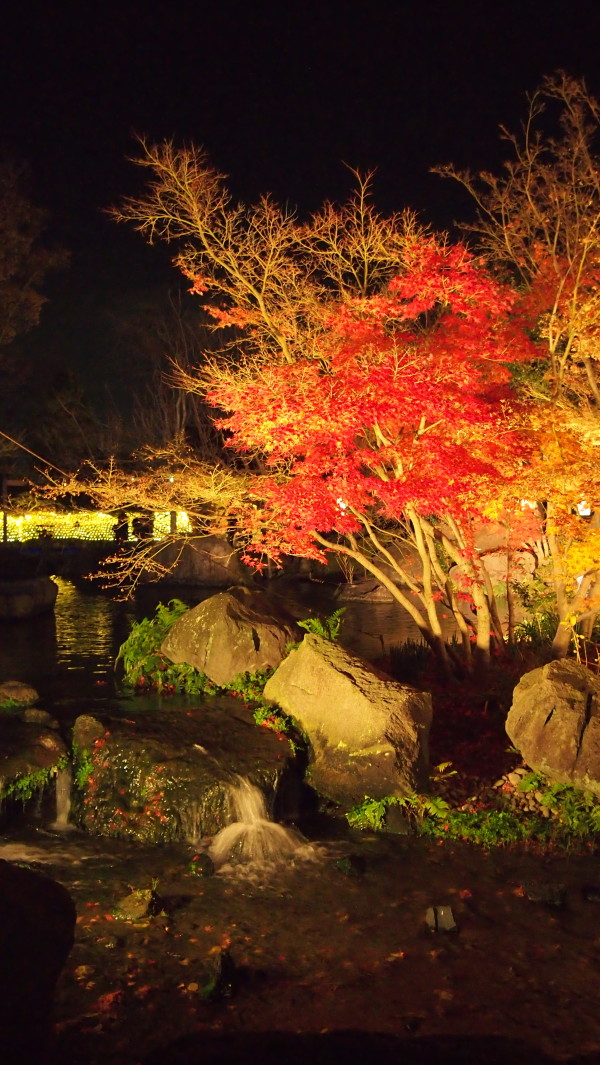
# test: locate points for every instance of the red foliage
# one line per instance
(407, 405)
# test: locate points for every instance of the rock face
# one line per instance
(28, 749)
(554, 721)
(207, 560)
(368, 591)
(15, 693)
(233, 632)
(167, 776)
(37, 921)
(24, 599)
(368, 733)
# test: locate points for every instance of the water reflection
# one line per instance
(70, 655)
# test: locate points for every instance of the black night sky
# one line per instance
(280, 94)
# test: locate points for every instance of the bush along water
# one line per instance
(146, 668)
(568, 818)
(27, 785)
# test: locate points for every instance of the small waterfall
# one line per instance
(253, 837)
(64, 780)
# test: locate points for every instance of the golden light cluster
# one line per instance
(84, 525)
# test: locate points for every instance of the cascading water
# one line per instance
(253, 838)
(64, 780)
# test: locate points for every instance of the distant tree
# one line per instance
(155, 333)
(538, 222)
(24, 260)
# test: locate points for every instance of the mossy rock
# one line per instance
(16, 695)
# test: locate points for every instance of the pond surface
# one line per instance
(69, 656)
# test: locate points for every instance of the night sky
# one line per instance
(279, 94)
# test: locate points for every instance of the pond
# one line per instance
(69, 656)
(332, 957)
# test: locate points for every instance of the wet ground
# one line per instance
(318, 953)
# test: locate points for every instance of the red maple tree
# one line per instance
(392, 438)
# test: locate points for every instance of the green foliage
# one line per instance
(576, 814)
(432, 816)
(327, 628)
(575, 817)
(10, 705)
(531, 379)
(487, 828)
(272, 717)
(145, 668)
(83, 766)
(372, 813)
(250, 686)
(26, 786)
(538, 631)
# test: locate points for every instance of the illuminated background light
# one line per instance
(82, 525)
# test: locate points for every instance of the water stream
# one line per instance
(253, 838)
(64, 781)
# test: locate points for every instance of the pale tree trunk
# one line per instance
(433, 637)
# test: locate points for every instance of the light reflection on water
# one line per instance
(70, 655)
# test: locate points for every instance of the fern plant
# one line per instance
(327, 628)
(146, 668)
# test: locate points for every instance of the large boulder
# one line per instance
(37, 922)
(27, 598)
(233, 632)
(369, 734)
(15, 693)
(31, 751)
(554, 722)
(207, 560)
(167, 776)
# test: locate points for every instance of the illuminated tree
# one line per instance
(398, 435)
(539, 223)
(24, 261)
(365, 385)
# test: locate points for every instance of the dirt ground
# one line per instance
(328, 966)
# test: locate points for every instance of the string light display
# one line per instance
(85, 525)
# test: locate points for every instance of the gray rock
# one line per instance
(13, 691)
(143, 902)
(26, 748)
(368, 733)
(368, 591)
(86, 730)
(440, 919)
(33, 716)
(233, 632)
(207, 560)
(167, 776)
(26, 598)
(554, 722)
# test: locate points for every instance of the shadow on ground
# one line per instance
(347, 1047)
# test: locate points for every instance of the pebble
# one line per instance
(514, 778)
